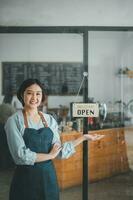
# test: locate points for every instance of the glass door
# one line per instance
(58, 61)
(110, 85)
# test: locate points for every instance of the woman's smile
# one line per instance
(33, 96)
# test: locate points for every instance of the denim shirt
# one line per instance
(22, 155)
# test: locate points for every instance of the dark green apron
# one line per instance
(38, 181)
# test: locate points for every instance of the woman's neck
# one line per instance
(31, 112)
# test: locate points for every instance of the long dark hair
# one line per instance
(27, 83)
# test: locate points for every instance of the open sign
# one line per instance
(85, 110)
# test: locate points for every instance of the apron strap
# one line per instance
(26, 121)
(43, 119)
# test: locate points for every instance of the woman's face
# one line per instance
(33, 96)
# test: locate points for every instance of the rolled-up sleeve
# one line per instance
(68, 148)
(20, 153)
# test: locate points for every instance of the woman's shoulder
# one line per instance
(17, 116)
(14, 120)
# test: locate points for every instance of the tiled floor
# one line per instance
(116, 188)
(119, 187)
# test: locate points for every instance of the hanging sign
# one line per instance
(85, 110)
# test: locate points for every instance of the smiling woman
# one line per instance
(34, 141)
(32, 98)
(31, 87)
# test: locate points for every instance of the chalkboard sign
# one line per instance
(58, 78)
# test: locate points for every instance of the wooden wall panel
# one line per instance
(107, 157)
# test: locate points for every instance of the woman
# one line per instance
(34, 142)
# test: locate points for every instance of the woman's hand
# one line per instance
(55, 150)
(92, 137)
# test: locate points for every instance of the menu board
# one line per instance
(58, 78)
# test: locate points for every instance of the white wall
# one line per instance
(41, 47)
(127, 61)
(104, 62)
(62, 12)
(108, 51)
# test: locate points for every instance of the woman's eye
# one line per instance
(38, 94)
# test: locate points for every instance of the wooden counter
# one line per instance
(107, 157)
